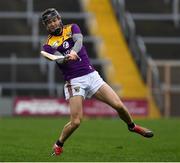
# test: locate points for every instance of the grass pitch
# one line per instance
(100, 140)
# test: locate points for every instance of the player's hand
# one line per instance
(72, 55)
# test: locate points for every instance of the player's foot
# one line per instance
(57, 150)
(142, 131)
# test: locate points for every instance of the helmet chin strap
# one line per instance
(57, 31)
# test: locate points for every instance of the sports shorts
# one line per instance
(86, 85)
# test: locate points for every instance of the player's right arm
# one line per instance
(53, 55)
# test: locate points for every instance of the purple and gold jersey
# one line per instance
(64, 43)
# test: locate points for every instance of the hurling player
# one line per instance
(82, 80)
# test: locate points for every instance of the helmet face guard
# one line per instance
(49, 14)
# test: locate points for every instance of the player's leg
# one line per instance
(76, 114)
(106, 94)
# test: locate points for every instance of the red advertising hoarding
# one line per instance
(58, 106)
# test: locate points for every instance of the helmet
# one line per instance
(51, 13)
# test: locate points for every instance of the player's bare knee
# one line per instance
(76, 123)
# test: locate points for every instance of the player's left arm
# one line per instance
(78, 39)
(78, 42)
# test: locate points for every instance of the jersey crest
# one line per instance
(65, 45)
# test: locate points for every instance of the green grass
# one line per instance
(100, 140)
